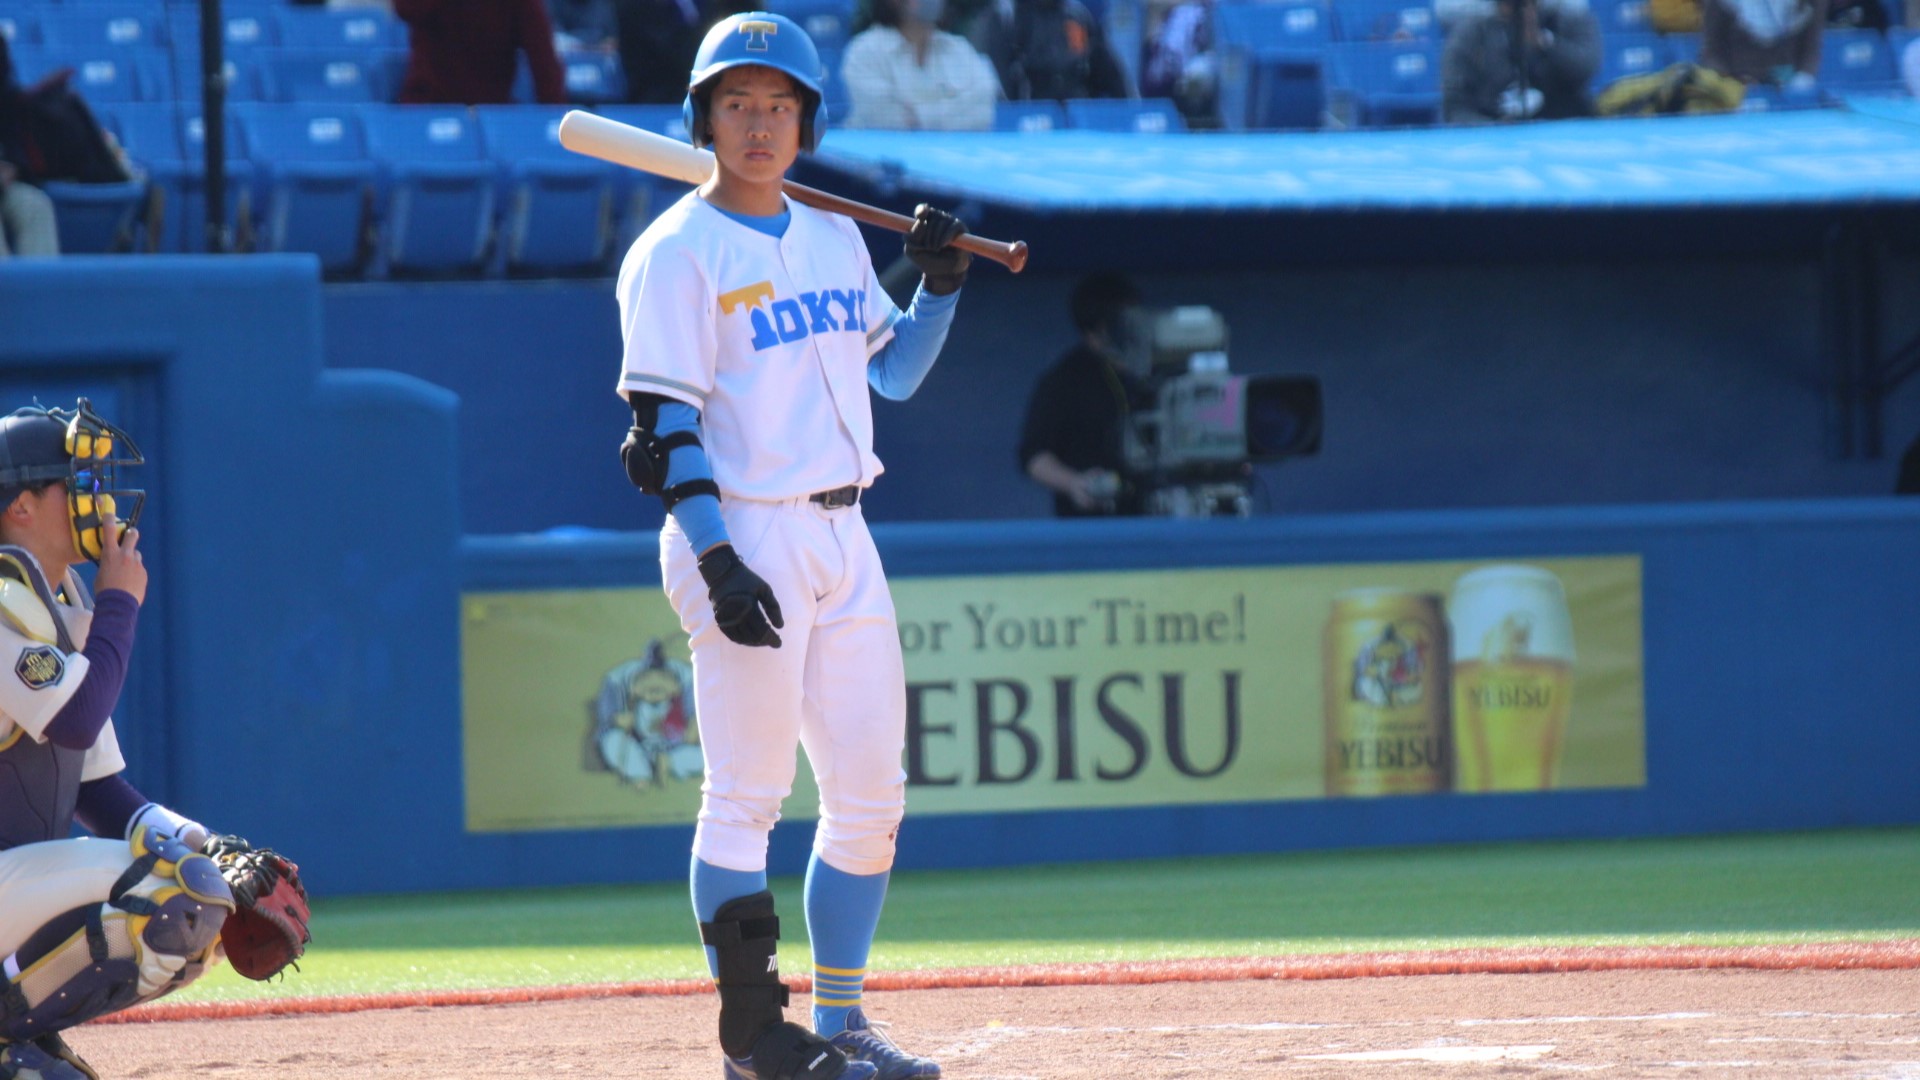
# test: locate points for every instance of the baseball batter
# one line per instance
(754, 327)
(87, 926)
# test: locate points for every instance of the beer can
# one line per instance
(1512, 678)
(1385, 667)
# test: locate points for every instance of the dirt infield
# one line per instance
(1688, 1019)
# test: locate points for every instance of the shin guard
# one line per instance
(753, 1025)
(158, 929)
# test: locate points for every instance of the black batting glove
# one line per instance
(929, 245)
(743, 603)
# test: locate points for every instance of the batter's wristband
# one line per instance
(718, 563)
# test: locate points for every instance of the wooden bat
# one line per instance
(624, 144)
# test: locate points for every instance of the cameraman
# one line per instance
(1521, 60)
(1072, 442)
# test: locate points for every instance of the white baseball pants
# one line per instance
(836, 686)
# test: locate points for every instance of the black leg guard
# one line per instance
(753, 1023)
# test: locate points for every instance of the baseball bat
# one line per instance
(624, 144)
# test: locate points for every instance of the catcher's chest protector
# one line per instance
(154, 932)
(39, 784)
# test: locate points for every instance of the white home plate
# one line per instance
(1442, 1053)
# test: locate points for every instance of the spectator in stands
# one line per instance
(463, 52)
(1764, 41)
(1073, 441)
(657, 41)
(584, 24)
(26, 214)
(1525, 60)
(1051, 50)
(904, 72)
(1180, 62)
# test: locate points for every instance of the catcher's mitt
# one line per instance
(268, 928)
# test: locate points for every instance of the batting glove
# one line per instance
(743, 603)
(929, 246)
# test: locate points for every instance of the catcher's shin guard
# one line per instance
(156, 932)
(753, 1024)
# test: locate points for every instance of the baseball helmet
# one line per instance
(758, 37)
(76, 446)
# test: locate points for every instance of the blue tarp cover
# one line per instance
(1867, 155)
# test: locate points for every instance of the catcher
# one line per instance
(93, 925)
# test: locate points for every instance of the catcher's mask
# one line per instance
(81, 449)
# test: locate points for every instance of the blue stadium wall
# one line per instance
(1514, 383)
(315, 450)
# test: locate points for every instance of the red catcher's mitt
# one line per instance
(268, 928)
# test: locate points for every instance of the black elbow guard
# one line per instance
(644, 454)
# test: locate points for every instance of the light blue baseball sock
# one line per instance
(714, 886)
(843, 910)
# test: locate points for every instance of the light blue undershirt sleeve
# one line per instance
(698, 515)
(897, 369)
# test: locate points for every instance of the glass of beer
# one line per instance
(1384, 666)
(1512, 678)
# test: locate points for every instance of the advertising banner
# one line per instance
(1166, 687)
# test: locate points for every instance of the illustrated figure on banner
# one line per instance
(644, 730)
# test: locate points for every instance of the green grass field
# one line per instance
(1857, 885)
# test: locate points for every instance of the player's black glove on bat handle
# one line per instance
(945, 268)
(738, 596)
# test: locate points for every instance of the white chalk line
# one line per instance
(1441, 1052)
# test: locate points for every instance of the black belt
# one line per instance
(838, 497)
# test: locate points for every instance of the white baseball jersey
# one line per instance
(41, 679)
(768, 337)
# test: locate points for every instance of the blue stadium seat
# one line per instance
(1384, 83)
(439, 187)
(1150, 116)
(354, 28)
(1622, 17)
(243, 76)
(316, 181)
(639, 197)
(102, 74)
(1856, 60)
(1030, 116)
(1271, 63)
(167, 140)
(20, 27)
(558, 205)
(1624, 55)
(77, 27)
(94, 219)
(247, 30)
(1385, 20)
(329, 76)
(246, 26)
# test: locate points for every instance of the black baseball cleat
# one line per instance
(742, 1069)
(864, 1042)
(45, 1058)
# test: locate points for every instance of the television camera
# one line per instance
(1193, 454)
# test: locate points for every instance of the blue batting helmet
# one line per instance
(758, 37)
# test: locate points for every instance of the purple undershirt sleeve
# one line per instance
(107, 805)
(109, 644)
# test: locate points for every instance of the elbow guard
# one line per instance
(644, 454)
